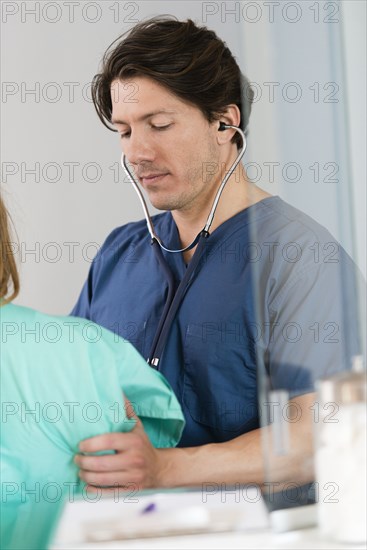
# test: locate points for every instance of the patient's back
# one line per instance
(61, 382)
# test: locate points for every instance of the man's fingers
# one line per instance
(108, 442)
(129, 409)
(130, 413)
(105, 463)
(112, 479)
(116, 490)
(132, 462)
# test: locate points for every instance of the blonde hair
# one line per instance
(9, 278)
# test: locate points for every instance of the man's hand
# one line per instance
(239, 460)
(135, 462)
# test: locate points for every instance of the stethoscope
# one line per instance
(174, 298)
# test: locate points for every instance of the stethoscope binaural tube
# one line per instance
(154, 236)
(174, 298)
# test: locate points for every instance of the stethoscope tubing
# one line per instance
(172, 305)
(174, 298)
(210, 218)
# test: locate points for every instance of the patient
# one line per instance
(63, 379)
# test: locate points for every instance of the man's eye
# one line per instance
(124, 134)
(161, 127)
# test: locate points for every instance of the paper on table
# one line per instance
(174, 513)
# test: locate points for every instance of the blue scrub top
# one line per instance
(272, 305)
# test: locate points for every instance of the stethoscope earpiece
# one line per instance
(222, 126)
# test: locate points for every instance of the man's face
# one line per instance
(168, 142)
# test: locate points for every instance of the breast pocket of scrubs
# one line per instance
(220, 387)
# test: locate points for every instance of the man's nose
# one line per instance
(138, 148)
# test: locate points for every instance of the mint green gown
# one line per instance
(62, 381)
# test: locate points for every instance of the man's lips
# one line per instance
(152, 178)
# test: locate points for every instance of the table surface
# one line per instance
(305, 539)
(247, 524)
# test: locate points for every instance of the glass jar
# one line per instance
(340, 455)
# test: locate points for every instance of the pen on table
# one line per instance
(151, 507)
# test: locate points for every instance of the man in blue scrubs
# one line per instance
(266, 302)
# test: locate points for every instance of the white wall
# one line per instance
(61, 223)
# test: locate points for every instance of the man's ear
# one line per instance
(232, 117)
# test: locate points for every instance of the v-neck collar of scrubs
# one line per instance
(169, 228)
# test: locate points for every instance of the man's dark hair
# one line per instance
(190, 61)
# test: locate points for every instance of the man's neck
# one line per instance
(238, 194)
